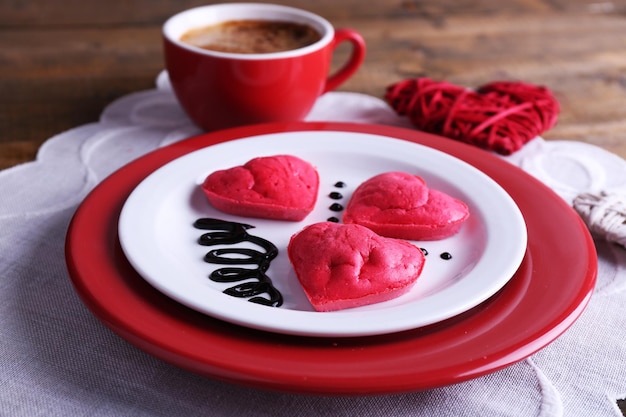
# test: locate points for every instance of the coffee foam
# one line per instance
(252, 36)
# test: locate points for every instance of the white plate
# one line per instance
(157, 234)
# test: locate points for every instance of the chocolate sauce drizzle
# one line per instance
(231, 233)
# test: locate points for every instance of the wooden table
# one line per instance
(61, 63)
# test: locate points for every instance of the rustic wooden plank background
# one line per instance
(61, 63)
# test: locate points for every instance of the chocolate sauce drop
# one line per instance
(336, 207)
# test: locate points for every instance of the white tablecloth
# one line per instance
(57, 359)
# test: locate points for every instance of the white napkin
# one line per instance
(56, 359)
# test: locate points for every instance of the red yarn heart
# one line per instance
(500, 116)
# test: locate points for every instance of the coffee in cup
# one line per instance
(252, 36)
(221, 87)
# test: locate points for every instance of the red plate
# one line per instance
(546, 295)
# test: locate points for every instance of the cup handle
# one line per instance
(354, 62)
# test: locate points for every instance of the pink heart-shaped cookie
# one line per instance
(343, 266)
(400, 205)
(281, 187)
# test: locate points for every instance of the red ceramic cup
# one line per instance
(220, 90)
